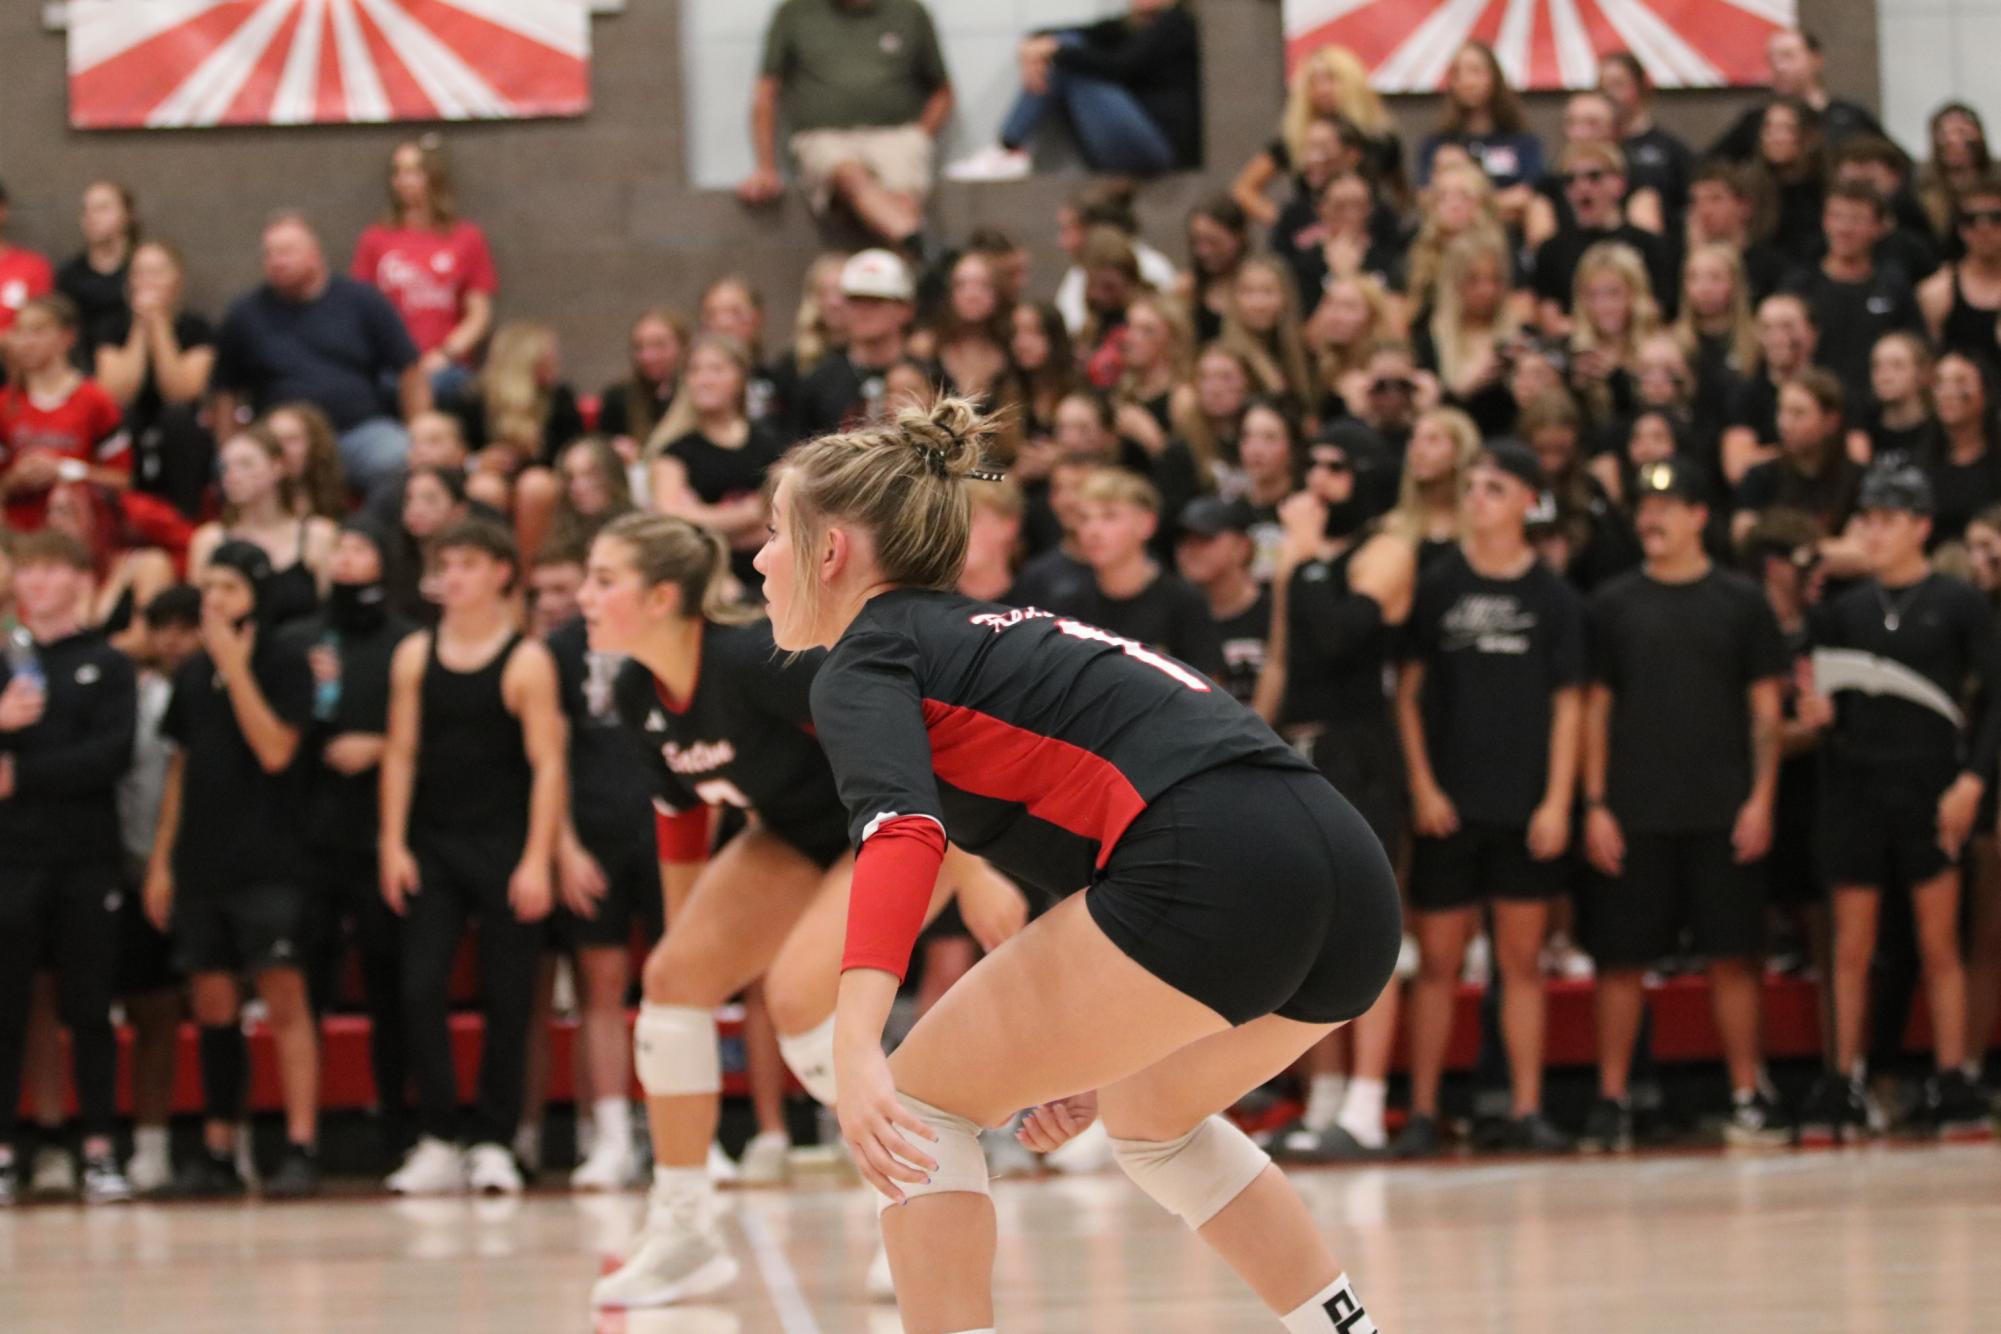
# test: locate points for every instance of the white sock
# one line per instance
(1334, 1310)
(1323, 1100)
(149, 1141)
(1362, 1112)
(680, 1194)
(613, 1120)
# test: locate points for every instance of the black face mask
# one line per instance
(1346, 518)
(358, 608)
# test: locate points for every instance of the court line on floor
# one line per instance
(794, 1316)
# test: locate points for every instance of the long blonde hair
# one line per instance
(1427, 249)
(1407, 520)
(667, 549)
(1449, 334)
(516, 402)
(1280, 356)
(1332, 364)
(1743, 335)
(1643, 319)
(1357, 103)
(812, 340)
(1180, 343)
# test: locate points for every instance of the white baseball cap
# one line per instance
(878, 274)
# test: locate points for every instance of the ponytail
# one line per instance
(694, 559)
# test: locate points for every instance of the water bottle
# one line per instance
(23, 663)
(326, 694)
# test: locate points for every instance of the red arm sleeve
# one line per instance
(683, 836)
(894, 875)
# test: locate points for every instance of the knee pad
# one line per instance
(675, 1052)
(1195, 1176)
(810, 1057)
(962, 1165)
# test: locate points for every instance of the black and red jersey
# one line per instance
(1031, 739)
(744, 736)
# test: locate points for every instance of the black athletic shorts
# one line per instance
(1478, 863)
(1676, 883)
(1879, 834)
(1256, 891)
(822, 842)
(145, 953)
(242, 929)
(632, 896)
(1364, 762)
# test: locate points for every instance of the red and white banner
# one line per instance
(171, 63)
(1407, 45)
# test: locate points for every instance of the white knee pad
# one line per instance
(810, 1057)
(1195, 1176)
(674, 1050)
(962, 1166)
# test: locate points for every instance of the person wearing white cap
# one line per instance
(847, 388)
(863, 88)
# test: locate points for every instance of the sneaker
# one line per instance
(10, 1184)
(149, 1169)
(52, 1174)
(881, 1283)
(297, 1177)
(1535, 1134)
(1954, 1110)
(610, 1166)
(1490, 1133)
(994, 163)
(1608, 1127)
(491, 1170)
(722, 1168)
(765, 1160)
(103, 1181)
(1419, 1138)
(1833, 1111)
(1332, 1145)
(207, 1176)
(432, 1168)
(528, 1145)
(1759, 1121)
(673, 1263)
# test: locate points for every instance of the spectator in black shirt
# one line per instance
(1797, 65)
(68, 704)
(1681, 766)
(1962, 302)
(631, 410)
(1594, 185)
(1656, 159)
(1854, 300)
(95, 277)
(1908, 244)
(1900, 420)
(1723, 210)
(846, 388)
(1812, 473)
(1966, 469)
(1488, 705)
(1908, 763)
(714, 474)
(1213, 551)
(156, 363)
(1588, 118)
(228, 866)
(1791, 172)
(1787, 337)
(1130, 594)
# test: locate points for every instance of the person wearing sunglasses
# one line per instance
(1962, 301)
(1594, 185)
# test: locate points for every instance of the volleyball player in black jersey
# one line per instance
(730, 717)
(1238, 909)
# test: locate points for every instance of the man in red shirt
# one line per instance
(24, 275)
(55, 425)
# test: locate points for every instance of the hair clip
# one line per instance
(986, 475)
(935, 459)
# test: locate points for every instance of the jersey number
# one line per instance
(1133, 649)
(722, 792)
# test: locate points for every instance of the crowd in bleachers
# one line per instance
(1615, 520)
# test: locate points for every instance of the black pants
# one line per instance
(347, 898)
(464, 876)
(69, 914)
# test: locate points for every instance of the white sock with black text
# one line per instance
(1335, 1309)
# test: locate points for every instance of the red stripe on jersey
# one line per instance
(1068, 786)
(894, 874)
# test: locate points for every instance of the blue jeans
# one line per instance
(372, 450)
(1112, 129)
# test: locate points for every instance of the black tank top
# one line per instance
(472, 768)
(1970, 328)
(1336, 647)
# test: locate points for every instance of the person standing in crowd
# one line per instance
(228, 872)
(1959, 158)
(1213, 551)
(149, 986)
(1427, 514)
(1681, 770)
(68, 705)
(472, 804)
(1962, 301)
(1812, 472)
(433, 265)
(1489, 706)
(1797, 67)
(1854, 300)
(1907, 765)
(308, 334)
(258, 507)
(349, 645)
(1594, 185)
(864, 91)
(848, 386)
(630, 410)
(155, 363)
(1723, 208)
(56, 425)
(94, 278)
(1130, 594)
(1656, 158)
(24, 275)
(1483, 117)
(1786, 337)
(1130, 87)
(714, 473)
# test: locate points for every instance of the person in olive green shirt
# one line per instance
(862, 86)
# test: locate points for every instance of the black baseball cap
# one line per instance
(1673, 478)
(1209, 516)
(1514, 458)
(1896, 483)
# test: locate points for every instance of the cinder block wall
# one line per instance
(592, 219)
